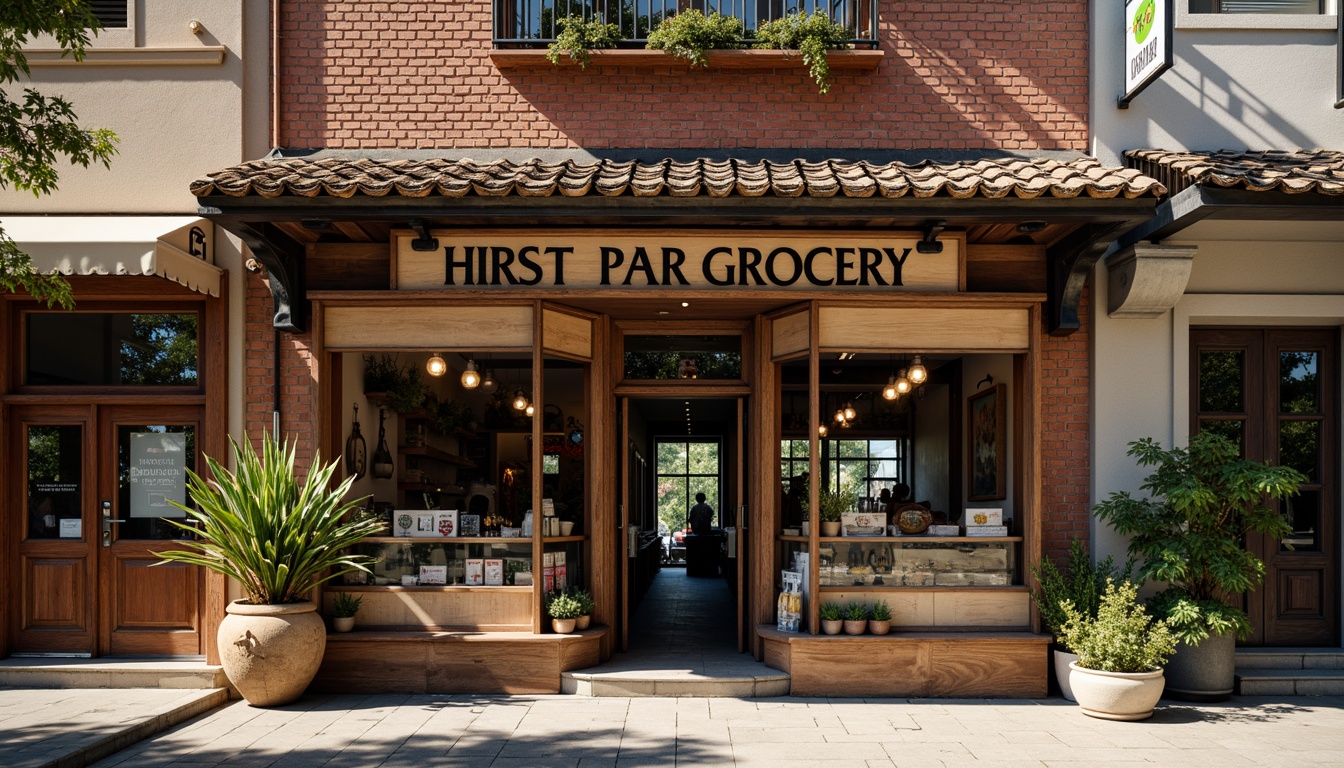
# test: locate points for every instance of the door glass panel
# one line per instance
(1220, 377)
(55, 472)
(1304, 514)
(1299, 386)
(111, 349)
(151, 464)
(1232, 430)
(1299, 447)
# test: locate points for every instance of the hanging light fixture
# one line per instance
(840, 416)
(520, 401)
(822, 430)
(471, 378)
(436, 366)
(918, 373)
(530, 409)
(849, 412)
(889, 391)
(488, 383)
(902, 383)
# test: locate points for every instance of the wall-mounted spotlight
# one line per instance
(436, 366)
(929, 243)
(423, 242)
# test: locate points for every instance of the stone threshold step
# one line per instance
(623, 684)
(1290, 658)
(1291, 682)
(110, 673)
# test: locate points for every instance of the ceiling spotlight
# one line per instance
(918, 374)
(520, 402)
(902, 383)
(471, 378)
(436, 365)
(889, 392)
(488, 383)
(685, 304)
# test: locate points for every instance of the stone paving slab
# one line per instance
(417, 731)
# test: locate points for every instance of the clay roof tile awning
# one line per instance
(1319, 171)
(341, 177)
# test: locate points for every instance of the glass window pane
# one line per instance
(55, 474)
(672, 498)
(1220, 381)
(1299, 385)
(1299, 447)
(708, 486)
(1232, 430)
(1257, 6)
(671, 459)
(151, 460)
(106, 349)
(1304, 514)
(704, 458)
(683, 357)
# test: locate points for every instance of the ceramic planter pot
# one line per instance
(343, 623)
(832, 627)
(1116, 695)
(583, 621)
(876, 627)
(1204, 672)
(1062, 661)
(563, 626)
(271, 652)
(830, 529)
(856, 627)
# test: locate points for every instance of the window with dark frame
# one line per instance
(112, 14)
(1302, 7)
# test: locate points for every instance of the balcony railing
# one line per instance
(531, 23)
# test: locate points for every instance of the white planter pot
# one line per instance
(343, 623)
(271, 652)
(1062, 661)
(563, 626)
(1116, 695)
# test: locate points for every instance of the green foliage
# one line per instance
(345, 605)
(1080, 583)
(405, 392)
(447, 415)
(161, 351)
(1122, 637)
(691, 35)
(881, 611)
(276, 535)
(856, 612)
(39, 133)
(585, 599)
(662, 366)
(835, 503)
(576, 37)
(561, 605)
(1204, 499)
(812, 35)
(832, 611)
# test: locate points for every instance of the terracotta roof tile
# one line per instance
(1317, 170)
(993, 179)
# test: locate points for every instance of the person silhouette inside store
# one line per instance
(702, 516)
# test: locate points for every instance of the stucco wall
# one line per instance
(1253, 87)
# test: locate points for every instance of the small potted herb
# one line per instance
(585, 599)
(833, 504)
(343, 609)
(564, 610)
(879, 621)
(832, 618)
(856, 618)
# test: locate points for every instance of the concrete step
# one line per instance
(1290, 682)
(110, 673)
(1290, 658)
(741, 679)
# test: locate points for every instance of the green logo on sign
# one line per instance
(1143, 20)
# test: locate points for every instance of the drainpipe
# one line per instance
(275, 73)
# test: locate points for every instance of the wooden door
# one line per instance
(1276, 392)
(744, 622)
(147, 607)
(55, 538)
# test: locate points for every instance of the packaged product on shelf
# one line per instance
(426, 525)
(433, 574)
(475, 572)
(447, 522)
(548, 570)
(789, 611)
(561, 572)
(494, 572)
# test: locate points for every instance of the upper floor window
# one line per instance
(536, 21)
(101, 349)
(1258, 6)
(111, 13)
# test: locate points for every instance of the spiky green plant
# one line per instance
(856, 612)
(261, 525)
(832, 611)
(881, 611)
(1081, 583)
(345, 605)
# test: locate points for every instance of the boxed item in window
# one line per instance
(494, 572)
(475, 572)
(433, 574)
(978, 517)
(863, 523)
(986, 530)
(447, 522)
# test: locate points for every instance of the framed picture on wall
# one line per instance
(987, 444)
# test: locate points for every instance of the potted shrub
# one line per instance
(810, 35)
(833, 504)
(856, 619)
(1205, 498)
(879, 621)
(586, 603)
(1080, 583)
(832, 618)
(576, 37)
(564, 610)
(1118, 674)
(279, 537)
(344, 606)
(690, 35)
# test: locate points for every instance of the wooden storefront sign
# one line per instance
(677, 259)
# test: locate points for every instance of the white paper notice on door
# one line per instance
(158, 473)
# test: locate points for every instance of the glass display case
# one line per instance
(897, 562)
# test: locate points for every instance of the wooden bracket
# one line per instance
(1069, 263)
(283, 260)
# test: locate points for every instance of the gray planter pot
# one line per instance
(1205, 672)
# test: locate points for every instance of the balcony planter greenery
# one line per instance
(279, 537)
(813, 36)
(691, 35)
(577, 37)
(1204, 500)
(1118, 674)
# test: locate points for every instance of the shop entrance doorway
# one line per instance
(1276, 393)
(94, 484)
(676, 447)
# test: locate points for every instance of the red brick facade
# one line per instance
(418, 75)
(298, 378)
(1066, 455)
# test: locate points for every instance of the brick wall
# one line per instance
(298, 378)
(418, 75)
(1066, 458)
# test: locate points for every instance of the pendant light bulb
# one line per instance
(918, 373)
(519, 400)
(889, 392)
(840, 416)
(850, 413)
(488, 383)
(822, 430)
(902, 383)
(530, 409)
(436, 366)
(471, 378)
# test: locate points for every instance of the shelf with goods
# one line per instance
(432, 462)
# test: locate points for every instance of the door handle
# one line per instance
(108, 522)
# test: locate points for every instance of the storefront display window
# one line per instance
(100, 349)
